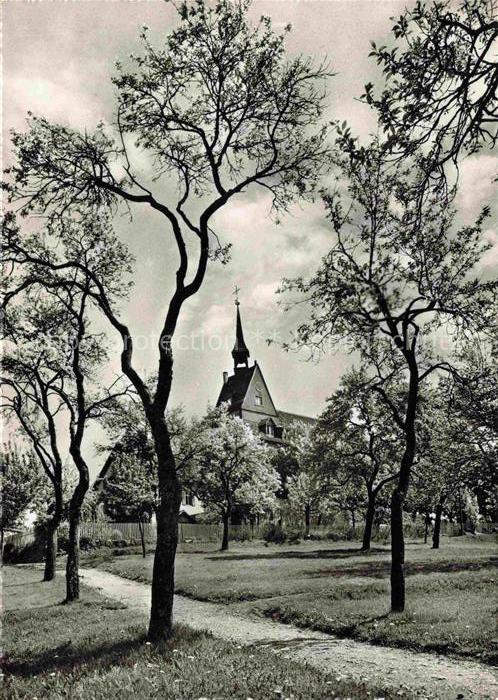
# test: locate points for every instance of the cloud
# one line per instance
(477, 186)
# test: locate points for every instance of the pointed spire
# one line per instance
(240, 352)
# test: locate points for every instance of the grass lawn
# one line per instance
(335, 588)
(96, 649)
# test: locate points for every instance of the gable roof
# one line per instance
(258, 375)
(236, 386)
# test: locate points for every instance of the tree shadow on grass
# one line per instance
(381, 569)
(296, 554)
(68, 659)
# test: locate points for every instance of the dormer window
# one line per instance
(258, 400)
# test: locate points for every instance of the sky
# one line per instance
(57, 61)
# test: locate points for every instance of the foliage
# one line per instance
(22, 484)
(357, 441)
(308, 488)
(439, 99)
(234, 469)
(130, 488)
(399, 272)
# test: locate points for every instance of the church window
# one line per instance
(258, 400)
(269, 429)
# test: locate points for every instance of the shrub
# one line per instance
(30, 553)
(274, 533)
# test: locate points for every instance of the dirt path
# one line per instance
(418, 675)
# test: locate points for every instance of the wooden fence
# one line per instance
(129, 533)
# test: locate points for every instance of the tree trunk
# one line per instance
(50, 551)
(436, 535)
(307, 520)
(427, 522)
(399, 493)
(73, 556)
(51, 535)
(73, 553)
(226, 530)
(460, 514)
(353, 520)
(170, 498)
(369, 519)
(142, 537)
(397, 553)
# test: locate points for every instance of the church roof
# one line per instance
(287, 418)
(235, 388)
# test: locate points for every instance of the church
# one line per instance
(249, 397)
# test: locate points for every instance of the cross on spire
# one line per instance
(236, 291)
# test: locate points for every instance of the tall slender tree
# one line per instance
(31, 383)
(358, 442)
(218, 108)
(52, 309)
(396, 275)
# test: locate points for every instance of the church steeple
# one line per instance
(240, 352)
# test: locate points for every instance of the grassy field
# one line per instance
(335, 588)
(97, 649)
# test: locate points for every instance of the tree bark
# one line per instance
(307, 520)
(170, 497)
(51, 534)
(399, 493)
(436, 535)
(353, 520)
(369, 519)
(427, 522)
(73, 554)
(226, 530)
(397, 553)
(50, 551)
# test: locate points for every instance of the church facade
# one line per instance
(249, 397)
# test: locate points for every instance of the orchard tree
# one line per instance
(52, 311)
(131, 491)
(396, 273)
(358, 442)
(21, 486)
(128, 484)
(440, 95)
(448, 457)
(307, 488)
(218, 108)
(30, 384)
(233, 471)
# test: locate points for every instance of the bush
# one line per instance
(294, 537)
(274, 533)
(30, 553)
